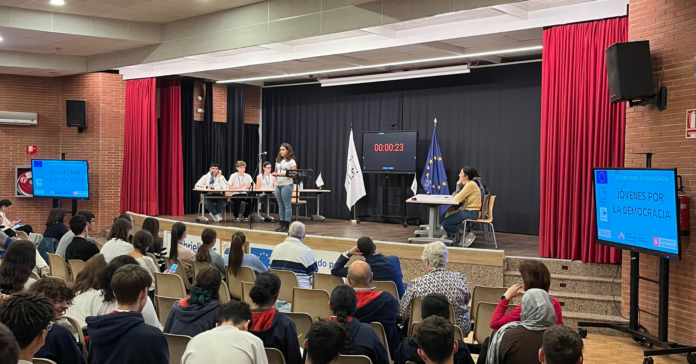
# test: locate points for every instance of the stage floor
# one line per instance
(513, 244)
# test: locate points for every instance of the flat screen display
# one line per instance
(390, 151)
(60, 178)
(637, 210)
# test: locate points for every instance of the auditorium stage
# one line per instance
(513, 244)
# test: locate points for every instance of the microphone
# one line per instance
(263, 153)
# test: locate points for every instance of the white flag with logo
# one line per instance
(414, 185)
(320, 182)
(355, 187)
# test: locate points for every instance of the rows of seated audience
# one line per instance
(110, 302)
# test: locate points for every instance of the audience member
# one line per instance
(79, 247)
(9, 350)
(55, 227)
(142, 241)
(99, 299)
(241, 181)
(384, 267)
(29, 316)
(434, 304)
(214, 180)
(520, 341)
(88, 279)
(534, 275)
(60, 345)
(5, 206)
(181, 255)
(373, 305)
(470, 198)
(118, 243)
(228, 342)
(561, 345)
(199, 311)
(362, 338)
(5, 241)
(70, 235)
(16, 267)
(206, 252)
(158, 249)
(237, 258)
(440, 280)
(273, 328)
(296, 257)
(435, 339)
(324, 342)
(122, 336)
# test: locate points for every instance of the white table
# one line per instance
(434, 202)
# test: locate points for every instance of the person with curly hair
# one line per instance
(29, 316)
(199, 311)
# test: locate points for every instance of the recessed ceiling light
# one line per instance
(57, 2)
(0, 38)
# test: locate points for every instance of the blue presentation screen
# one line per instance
(637, 210)
(60, 178)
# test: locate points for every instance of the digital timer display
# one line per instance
(389, 151)
(398, 147)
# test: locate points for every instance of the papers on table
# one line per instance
(434, 198)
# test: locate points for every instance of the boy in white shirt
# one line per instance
(241, 181)
(214, 180)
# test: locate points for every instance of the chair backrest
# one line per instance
(458, 334)
(57, 267)
(274, 356)
(489, 218)
(177, 347)
(484, 206)
(199, 267)
(288, 281)
(303, 322)
(387, 286)
(76, 266)
(164, 307)
(42, 361)
(327, 282)
(181, 272)
(80, 334)
(154, 259)
(315, 302)
(245, 274)
(415, 316)
(22, 235)
(382, 336)
(353, 359)
(169, 285)
(484, 294)
(224, 293)
(34, 275)
(246, 288)
(484, 313)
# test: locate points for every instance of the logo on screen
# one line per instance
(37, 164)
(621, 236)
(603, 215)
(602, 193)
(602, 177)
(656, 241)
(604, 233)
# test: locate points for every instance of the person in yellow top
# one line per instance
(470, 200)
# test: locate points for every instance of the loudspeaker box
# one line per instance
(76, 113)
(629, 69)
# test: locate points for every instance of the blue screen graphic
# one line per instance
(638, 208)
(59, 178)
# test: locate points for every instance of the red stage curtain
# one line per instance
(139, 180)
(171, 194)
(580, 129)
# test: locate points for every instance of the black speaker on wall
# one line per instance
(76, 114)
(629, 68)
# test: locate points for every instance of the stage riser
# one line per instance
(567, 267)
(583, 285)
(570, 322)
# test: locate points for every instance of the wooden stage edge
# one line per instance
(486, 257)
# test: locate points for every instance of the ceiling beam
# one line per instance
(512, 10)
(203, 58)
(279, 47)
(381, 31)
(345, 59)
(361, 2)
(460, 50)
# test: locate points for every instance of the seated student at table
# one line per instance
(240, 181)
(214, 180)
(265, 181)
(470, 198)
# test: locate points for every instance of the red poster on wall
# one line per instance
(691, 124)
(31, 149)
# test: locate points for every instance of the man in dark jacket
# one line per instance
(374, 306)
(384, 267)
(434, 304)
(277, 330)
(80, 248)
(123, 336)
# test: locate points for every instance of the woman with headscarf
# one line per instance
(519, 342)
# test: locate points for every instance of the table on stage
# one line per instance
(306, 194)
(434, 202)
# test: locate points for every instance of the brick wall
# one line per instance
(220, 102)
(101, 143)
(252, 104)
(670, 26)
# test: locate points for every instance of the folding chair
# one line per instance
(288, 281)
(486, 223)
(224, 293)
(199, 267)
(164, 306)
(297, 203)
(274, 356)
(246, 288)
(76, 266)
(177, 346)
(415, 314)
(379, 328)
(315, 302)
(154, 258)
(484, 294)
(169, 285)
(22, 235)
(181, 272)
(80, 334)
(57, 267)
(245, 274)
(353, 359)
(386, 286)
(327, 282)
(484, 313)
(303, 322)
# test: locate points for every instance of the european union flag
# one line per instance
(434, 179)
(264, 255)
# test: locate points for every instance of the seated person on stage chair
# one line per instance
(294, 256)
(470, 198)
(435, 338)
(324, 342)
(384, 267)
(373, 305)
(9, 350)
(561, 345)
(29, 316)
(265, 181)
(214, 180)
(68, 237)
(80, 248)
(122, 336)
(241, 181)
(199, 311)
(229, 342)
(434, 304)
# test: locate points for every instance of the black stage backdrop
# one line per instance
(205, 142)
(488, 119)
